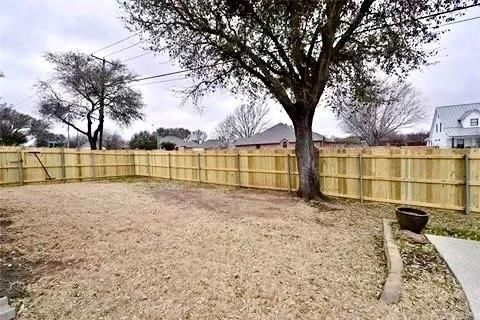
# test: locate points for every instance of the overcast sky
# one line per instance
(29, 28)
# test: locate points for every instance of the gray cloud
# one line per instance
(29, 28)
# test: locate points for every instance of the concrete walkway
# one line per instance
(463, 258)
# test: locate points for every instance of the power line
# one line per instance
(161, 81)
(459, 21)
(25, 100)
(117, 42)
(162, 75)
(145, 54)
(137, 56)
(174, 72)
(126, 48)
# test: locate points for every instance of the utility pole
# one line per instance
(68, 136)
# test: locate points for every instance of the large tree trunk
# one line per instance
(93, 143)
(309, 186)
(92, 139)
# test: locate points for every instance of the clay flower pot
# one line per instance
(411, 219)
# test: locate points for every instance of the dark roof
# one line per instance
(211, 143)
(177, 141)
(273, 135)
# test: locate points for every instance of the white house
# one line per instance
(456, 126)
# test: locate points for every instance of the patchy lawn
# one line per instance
(463, 226)
(151, 250)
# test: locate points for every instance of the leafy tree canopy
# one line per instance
(14, 126)
(143, 140)
(169, 146)
(181, 133)
(292, 51)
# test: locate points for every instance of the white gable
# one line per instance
(471, 120)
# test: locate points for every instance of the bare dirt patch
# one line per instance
(13, 267)
(151, 250)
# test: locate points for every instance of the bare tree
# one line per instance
(84, 92)
(77, 141)
(197, 136)
(382, 109)
(113, 140)
(247, 120)
(292, 50)
(224, 131)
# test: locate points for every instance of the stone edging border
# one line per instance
(393, 285)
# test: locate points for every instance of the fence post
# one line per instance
(289, 174)
(467, 184)
(94, 168)
(360, 175)
(238, 169)
(20, 167)
(149, 165)
(169, 167)
(79, 165)
(199, 168)
(64, 169)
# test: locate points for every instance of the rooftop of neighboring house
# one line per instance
(274, 135)
(178, 142)
(453, 115)
(211, 143)
(451, 118)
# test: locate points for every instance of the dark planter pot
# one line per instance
(411, 219)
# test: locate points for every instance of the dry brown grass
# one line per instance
(160, 250)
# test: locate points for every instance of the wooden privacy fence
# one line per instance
(22, 166)
(438, 178)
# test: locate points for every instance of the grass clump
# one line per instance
(461, 233)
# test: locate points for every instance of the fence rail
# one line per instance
(437, 178)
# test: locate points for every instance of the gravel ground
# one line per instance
(152, 250)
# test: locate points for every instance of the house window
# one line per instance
(257, 146)
(436, 127)
(460, 143)
(474, 122)
(440, 127)
(284, 144)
